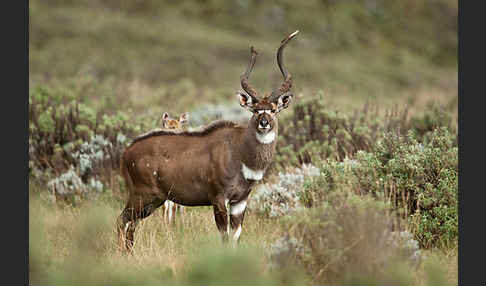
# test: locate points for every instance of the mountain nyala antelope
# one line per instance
(169, 208)
(174, 123)
(215, 165)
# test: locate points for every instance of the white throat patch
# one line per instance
(266, 138)
(250, 174)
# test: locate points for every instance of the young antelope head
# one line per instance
(266, 108)
(171, 123)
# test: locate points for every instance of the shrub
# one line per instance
(411, 162)
(313, 131)
(346, 235)
(283, 197)
(435, 117)
(66, 135)
(422, 179)
(419, 179)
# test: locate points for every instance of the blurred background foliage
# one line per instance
(148, 51)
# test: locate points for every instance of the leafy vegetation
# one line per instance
(314, 130)
(412, 163)
(347, 235)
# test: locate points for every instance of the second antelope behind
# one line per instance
(169, 208)
(172, 123)
(216, 165)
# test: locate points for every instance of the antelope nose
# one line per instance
(264, 122)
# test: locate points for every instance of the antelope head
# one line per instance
(266, 108)
(171, 123)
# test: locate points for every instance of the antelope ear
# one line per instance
(165, 116)
(246, 100)
(283, 101)
(184, 117)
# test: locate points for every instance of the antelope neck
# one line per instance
(255, 155)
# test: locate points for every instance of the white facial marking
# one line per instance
(250, 174)
(237, 233)
(266, 138)
(155, 173)
(265, 110)
(238, 208)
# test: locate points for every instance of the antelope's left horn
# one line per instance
(287, 83)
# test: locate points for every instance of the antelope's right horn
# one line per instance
(244, 78)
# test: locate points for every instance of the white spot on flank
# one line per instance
(148, 165)
(250, 174)
(238, 208)
(237, 233)
(266, 138)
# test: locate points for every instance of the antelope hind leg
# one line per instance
(135, 210)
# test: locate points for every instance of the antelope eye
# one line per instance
(273, 110)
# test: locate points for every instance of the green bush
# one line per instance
(346, 236)
(312, 131)
(66, 133)
(435, 117)
(418, 178)
(422, 179)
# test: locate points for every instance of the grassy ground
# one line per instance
(68, 243)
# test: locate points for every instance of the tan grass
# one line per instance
(162, 246)
(156, 242)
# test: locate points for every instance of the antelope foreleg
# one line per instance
(237, 214)
(221, 218)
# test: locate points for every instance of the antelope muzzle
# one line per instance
(265, 122)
